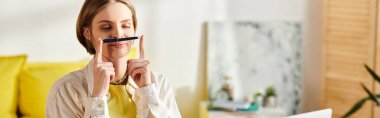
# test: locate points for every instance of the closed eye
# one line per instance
(106, 27)
(126, 27)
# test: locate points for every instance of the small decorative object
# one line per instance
(371, 96)
(226, 92)
(248, 99)
(270, 97)
(258, 98)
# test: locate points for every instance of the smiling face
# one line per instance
(113, 21)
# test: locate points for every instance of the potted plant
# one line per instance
(270, 97)
(370, 96)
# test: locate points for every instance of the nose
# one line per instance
(118, 33)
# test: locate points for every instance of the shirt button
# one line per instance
(101, 105)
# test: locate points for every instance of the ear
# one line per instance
(86, 33)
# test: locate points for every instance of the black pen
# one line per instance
(110, 40)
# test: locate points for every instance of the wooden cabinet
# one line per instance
(351, 38)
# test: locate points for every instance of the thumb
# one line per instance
(98, 47)
(141, 47)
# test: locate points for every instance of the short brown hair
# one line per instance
(89, 10)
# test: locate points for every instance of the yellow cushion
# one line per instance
(9, 68)
(35, 82)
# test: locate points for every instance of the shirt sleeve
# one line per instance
(71, 101)
(96, 107)
(156, 101)
(61, 103)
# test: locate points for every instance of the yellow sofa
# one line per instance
(25, 86)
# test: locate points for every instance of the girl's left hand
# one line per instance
(138, 69)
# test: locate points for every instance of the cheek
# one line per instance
(99, 34)
(130, 32)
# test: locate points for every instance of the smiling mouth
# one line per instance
(118, 44)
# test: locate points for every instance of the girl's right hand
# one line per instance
(104, 72)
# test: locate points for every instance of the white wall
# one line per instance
(174, 32)
(263, 10)
(176, 41)
(43, 29)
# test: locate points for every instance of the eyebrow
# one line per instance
(107, 21)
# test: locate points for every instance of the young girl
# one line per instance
(111, 85)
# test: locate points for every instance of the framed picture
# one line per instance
(252, 56)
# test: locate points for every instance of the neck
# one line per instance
(120, 65)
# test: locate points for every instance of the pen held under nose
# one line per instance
(111, 40)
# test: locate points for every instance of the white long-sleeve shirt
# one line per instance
(70, 97)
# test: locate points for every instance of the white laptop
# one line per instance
(325, 113)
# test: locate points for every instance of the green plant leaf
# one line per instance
(373, 74)
(270, 91)
(370, 95)
(355, 108)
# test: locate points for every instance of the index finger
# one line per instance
(141, 47)
(99, 51)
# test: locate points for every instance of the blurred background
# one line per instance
(176, 41)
